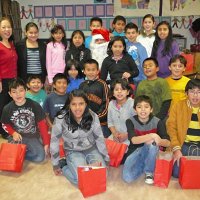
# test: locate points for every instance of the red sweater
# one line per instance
(8, 62)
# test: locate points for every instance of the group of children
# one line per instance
(88, 102)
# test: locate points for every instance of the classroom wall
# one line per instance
(76, 15)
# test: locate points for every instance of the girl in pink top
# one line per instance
(55, 53)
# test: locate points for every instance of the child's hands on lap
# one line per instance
(122, 137)
(156, 139)
(116, 137)
(177, 155)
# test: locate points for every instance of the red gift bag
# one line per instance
(91, 180)
(190, 61)
(189, 175)
(61, 149)
(12, 157)
(116, 152)
(163, 169)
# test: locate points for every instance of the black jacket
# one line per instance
(116, 69)
(97, 92)
(22, 59)
(80, 54)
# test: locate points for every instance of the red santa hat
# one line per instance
(103, 32)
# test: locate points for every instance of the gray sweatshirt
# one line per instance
(80, 140)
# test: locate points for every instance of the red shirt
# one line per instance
(8, 62)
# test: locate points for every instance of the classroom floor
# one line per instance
(37, 181)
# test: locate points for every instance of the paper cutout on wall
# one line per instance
(136, 7)
(181, 7)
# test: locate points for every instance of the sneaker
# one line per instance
(149, 178)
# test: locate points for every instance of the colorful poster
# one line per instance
(181, 7)
(129, 8)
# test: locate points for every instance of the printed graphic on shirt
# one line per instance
(24, 121)
(132, 50)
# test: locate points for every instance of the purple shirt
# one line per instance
(163, 61)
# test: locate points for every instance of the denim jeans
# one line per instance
(80, 158)
(34, 149)
(187, 150)
(142, 160)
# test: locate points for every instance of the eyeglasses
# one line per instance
(197, 92)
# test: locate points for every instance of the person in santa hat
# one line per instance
(99, 44)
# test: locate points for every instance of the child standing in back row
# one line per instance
(135, 49)
(164, 48)
(77, 49)
(118, 63)
(147, 33)
(118, 25)
(95, 23)
(55, 53)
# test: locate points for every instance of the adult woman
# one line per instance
(8, 64)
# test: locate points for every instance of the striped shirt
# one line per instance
(193, 132)
(33, 61)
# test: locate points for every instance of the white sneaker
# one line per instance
(149, 178)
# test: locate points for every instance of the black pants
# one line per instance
(4, 99)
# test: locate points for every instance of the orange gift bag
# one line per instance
(61, 149)
(116, 152)
(91, 180)
(190, 61)
(163, 169)
(189, 175)
(12, 157)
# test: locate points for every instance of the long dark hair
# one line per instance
(11, 38)
(73, 34)
(69, 65)
(125, 86)
(54, 30)
(112, 41)
(168, 41)
(67, 114)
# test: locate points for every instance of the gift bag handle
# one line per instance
(195, 149)
(15, 142)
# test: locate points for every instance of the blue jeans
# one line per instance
(142, 160)
(80, 158)
(34, 149)
(187, 150)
